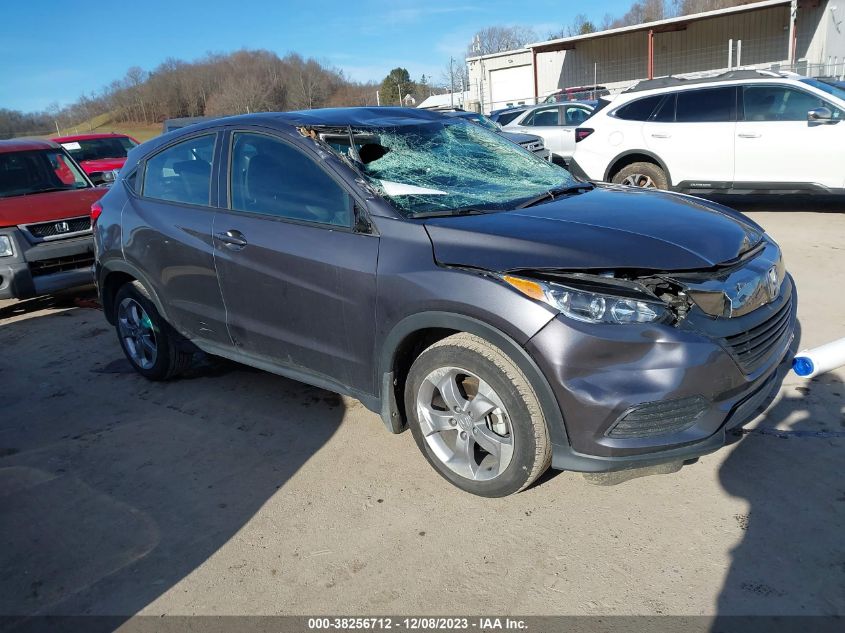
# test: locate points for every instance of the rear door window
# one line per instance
(182, 172)
(712, 105)
(575, 115)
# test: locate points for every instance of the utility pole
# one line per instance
(399, 87)
(378, 98)
(476, 47)
(452, 81)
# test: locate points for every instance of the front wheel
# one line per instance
(645, 175)
(476, 418)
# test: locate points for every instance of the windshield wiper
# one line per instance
(443, 213)
(553, 194)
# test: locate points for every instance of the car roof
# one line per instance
(587, 103)
(358, 117)
(25, 145)
(679, 82)
(518, 108)
(361, 117)
(88, 137)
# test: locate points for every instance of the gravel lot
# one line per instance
(234, 491)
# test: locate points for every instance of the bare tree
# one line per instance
(581, 25)
(243, 81)
(496, 39)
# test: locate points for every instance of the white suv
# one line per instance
(739, 132)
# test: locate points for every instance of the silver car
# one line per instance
(554, 123)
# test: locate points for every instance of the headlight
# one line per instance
(590, 307)
(5, 246)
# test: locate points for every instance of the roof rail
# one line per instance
(672, 82)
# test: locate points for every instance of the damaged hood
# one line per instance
(606, 228)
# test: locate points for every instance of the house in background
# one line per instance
(447, 100)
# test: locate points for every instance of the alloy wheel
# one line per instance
(137, 333)
(465, 423)
(639, 180)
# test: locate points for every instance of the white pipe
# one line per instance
(812, 362)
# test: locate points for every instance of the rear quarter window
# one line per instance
(639, 110)
(507, 117)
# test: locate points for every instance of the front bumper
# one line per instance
(45, 267)
(601, 373)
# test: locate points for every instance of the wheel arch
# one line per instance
(414, 333)
(636, 156)
(113, 276)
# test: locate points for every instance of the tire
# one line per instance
(650, 175)
(139, 325)
(495, 442)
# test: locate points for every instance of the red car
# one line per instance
(45, 220)
(98, 154)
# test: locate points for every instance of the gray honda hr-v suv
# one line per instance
(511, 316)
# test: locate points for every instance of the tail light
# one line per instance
(582, 132)
(96, 212)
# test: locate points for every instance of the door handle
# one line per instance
(661, 136)
(749, 136)
(232, 239)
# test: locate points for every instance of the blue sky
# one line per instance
(54, 51)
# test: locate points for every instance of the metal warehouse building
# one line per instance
(804, 36)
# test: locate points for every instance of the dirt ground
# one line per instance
(233, 491)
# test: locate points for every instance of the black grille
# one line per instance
(659, 418)
(752, 347)
(61, 264)
(59, 227)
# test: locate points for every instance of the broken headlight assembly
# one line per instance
(590, 306)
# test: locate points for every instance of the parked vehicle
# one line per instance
(510, 315)
(504, 116)
(531, 142)
(178, 123)
(556, 124)
(100, 155)
(833, 81)
(45, 228)
(739, 132)
(580, 93)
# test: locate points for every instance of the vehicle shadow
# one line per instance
(112, 488)
(787, 467)
(59, 301)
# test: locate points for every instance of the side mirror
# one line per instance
(100, 178)
(820, 115)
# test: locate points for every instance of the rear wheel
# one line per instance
(475, 417)
(645, 175)
(147, 340)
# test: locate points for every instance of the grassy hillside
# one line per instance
(103, 123)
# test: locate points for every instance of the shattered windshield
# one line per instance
(452, 166)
